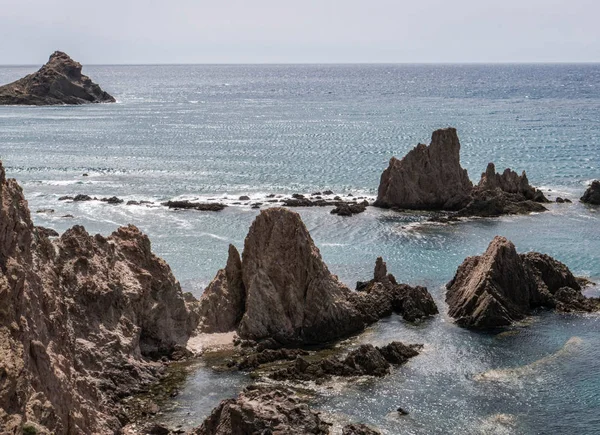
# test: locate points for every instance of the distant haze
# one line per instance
(319, 31)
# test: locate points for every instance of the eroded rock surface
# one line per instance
(59, 81)
(501, 286)
(592, 193)
(428, 177)
(80, 317)
(263, 410)
(287, 293)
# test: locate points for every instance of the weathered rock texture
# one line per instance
(57, 82)
(284, 291)
(263, 410)
(501, 286)
(431, 178)
(592, 194)
(79, 314)
(428, 177)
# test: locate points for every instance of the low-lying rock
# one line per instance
(501, 286)
(592, 194)
(112, 200)
(59, 81)
(359, 429)
(263, 410)
(348, 209)
(48, 232)
(190, 205)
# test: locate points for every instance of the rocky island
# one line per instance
(59, 81)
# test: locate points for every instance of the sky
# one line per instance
(306, 31)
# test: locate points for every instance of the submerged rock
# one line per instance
(82, 316)
(263, 410)
(501, 286)
(592, 194)
(428, 177)
(59, 81)
(189, 205)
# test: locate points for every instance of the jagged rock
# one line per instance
(263, 410)
(383, 295)
(112, 200)
(189, 205)
(222, 304)
(290, 294)
(286, 293)
(501, 286)
(348, 209)
(252, 361)
(592, 194)
(48, 232)
(57, 82)
(366, 360)
(510, 182)
(427, 178)
(359, 429)
(81, 315)
(491, 203)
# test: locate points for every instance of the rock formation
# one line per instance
(501, 286)
(431, 178)
(263, 410)
(592, 194)
(287, 293)
(80, 317)
(428, 177)
(57, 82)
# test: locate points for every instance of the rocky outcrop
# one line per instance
(189, 205)
(592, 194)
(59, 81)
(287, 293)
(366, 360)
(81, 315)
(427, 178)
(501, 286)
(359, 429)
(262, 410)
(431, 178)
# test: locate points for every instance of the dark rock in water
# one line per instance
(510, 182)
(366, 360)
(189, 205)
(328, 192)
(592, 194)
(427, 178)
(132, 202)
(68, 216)
(346, 209)
(82, 318)
(491, 203)
(501, 286)
(82, 197)
(84, 175)
(402, 411)
(244, 198)
(567, 200)
(48, 232)
(560, 200)
(266, 356)
(45, 210)
(359, 429)
(263, 409)
(57, 82)
(65, 198)
(112, 200)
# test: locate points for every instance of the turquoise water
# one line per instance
(225, 131)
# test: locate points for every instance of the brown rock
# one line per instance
(592, 194)
(428, 177)
(359, 429)
(501, 286)
(80, 317)
(510, 182)
(263, 410)
(57, 82)
(189, 205)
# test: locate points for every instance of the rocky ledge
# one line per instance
(501, 286)
(84, 321)
(431, 178)
(592, 194)
(263, 409)
(59, 81)
(281, 289)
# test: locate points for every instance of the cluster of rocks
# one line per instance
(502, 286)
(59, 81)
(282, 290)
(190, 205)
(431, 178)
(85, 320)
(82, 198)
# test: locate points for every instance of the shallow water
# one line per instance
(216, 131)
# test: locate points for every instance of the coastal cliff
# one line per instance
(59, 81)
(83, 320)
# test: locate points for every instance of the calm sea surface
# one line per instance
(218, 132)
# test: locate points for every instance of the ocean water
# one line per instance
(218, 132)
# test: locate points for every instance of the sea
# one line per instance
(217, 132)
